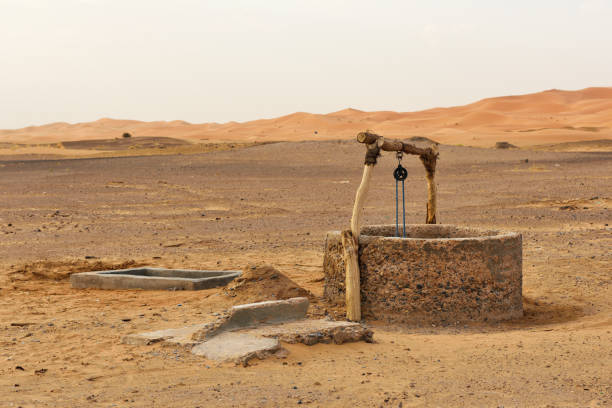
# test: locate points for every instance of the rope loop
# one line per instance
(372, 154)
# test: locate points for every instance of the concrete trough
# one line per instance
(153, 279)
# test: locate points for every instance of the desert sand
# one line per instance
(553, 116)
(273, 203)
(222, 196)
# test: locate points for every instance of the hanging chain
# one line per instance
(400, 174)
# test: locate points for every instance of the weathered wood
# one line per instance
(428, 156)
(431, 199)
(360, 196)
(352, 283)
(430, 169)
(350, 239)
(395, 145)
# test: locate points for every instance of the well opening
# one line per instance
(426, 231)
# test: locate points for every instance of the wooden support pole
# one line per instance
(350, 239)
(428, 156)
(360, 196)
(352, 283)
(430, 169)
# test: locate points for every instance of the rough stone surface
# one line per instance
(439, 274)
(311, 332)
(237, 347)
(153, 279)
(254, 314)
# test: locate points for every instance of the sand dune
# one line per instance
(552, 116)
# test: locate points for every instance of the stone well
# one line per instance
(438, 274)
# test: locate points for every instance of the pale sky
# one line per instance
(216, 61)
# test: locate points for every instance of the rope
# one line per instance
(403, 211)
(396, 212)
(400, 174)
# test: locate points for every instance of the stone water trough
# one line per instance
(438, 274)
(153, 279)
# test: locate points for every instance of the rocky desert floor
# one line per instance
(224, 209)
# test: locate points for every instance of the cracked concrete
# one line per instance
(255, 331)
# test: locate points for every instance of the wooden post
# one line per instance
(352, 284)
(430, 169)
(350, 239)
(360, 196)
(431, 199)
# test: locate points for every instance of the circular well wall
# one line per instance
(442, 274)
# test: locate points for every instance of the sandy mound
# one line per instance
(263, 282)
(61, 270)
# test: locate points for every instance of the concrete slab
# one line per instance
(255, 330)
(153, 279)
(236, 347)
(256, 314)
(180, 337)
